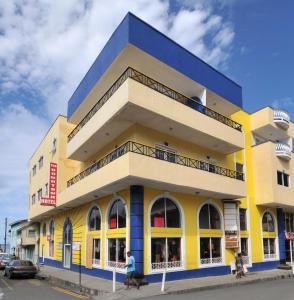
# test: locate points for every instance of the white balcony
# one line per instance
(281, 118)
(283, 151)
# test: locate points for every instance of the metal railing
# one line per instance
(283, 150)
(281, 115)
(212, 260)
(157, 154)
(159, 87)
(166, 265)
(270, 256)
(116, 264)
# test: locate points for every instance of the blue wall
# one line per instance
(135, 31)
(281, 234)
(205, 272)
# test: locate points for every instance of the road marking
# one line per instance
(6, 284)
(70, 293)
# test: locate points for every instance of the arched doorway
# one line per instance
(67, 243)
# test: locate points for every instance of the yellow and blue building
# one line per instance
(157, 156)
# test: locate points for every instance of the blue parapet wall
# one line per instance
(134, 31)
(170, 276)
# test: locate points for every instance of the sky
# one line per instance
(47, 46)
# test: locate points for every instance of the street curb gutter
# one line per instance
(72, 286)
(228, 285)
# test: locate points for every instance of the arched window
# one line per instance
(209, 217)
(269, 242)
(44, 229)
(67, 232)
(117, 215)
(51, 240)
(268, 223)
(166, 250)
(165, 213)
(94, 220)
(210, 246)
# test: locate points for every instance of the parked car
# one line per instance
(4, 260)
(20, 268)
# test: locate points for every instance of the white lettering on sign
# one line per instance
(51, 200)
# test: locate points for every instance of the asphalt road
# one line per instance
(271, 290)
(33, 289)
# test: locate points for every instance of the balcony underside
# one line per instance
(135, 103)
(136, 169)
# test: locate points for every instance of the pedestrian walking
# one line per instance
(131, 271)
(239, 266)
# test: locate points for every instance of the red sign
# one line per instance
(49, 237)
(289, 235)
(51, 200)
(159, 221)
(112, 223)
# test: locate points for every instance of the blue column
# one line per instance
(281, 234)
(137, 225)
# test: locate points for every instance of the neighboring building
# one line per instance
(157, 156)
(14, 236)
(27, 246)
(2, 248)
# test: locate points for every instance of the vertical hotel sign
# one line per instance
(51, 200)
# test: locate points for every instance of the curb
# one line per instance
(228, 285)
(72, 286)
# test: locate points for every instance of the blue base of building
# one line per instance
(170, 276)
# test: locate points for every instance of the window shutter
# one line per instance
(89, 252)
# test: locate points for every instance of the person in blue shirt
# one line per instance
(131, 270)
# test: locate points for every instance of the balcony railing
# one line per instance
(157, 154)
(159, 87)
(167, 265)
(282, 118)
(283, 151)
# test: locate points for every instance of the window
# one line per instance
(94, 221)
(243, 219)
(269, 248)
(239, 171)
(39, 194)
(209, 217)
(46, 189)
(268, 224)
(54, 145)
(117, 215)
(289, 222)
(44, 230)
(165, 252)
(210, 250)
(165, 213)
(96, 252)
(117, 250)
(31, 233)
(283, 178)
(244, 246)
(34, 170)
(41, 162)
(165, 153)
(67, 233)
(33, 198)
(51, 240)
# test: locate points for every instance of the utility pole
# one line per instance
(5, 235)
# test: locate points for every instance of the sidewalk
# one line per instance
(100, 288)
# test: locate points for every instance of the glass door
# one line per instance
(67, 255)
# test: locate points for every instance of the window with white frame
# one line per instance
(165, 250)
(96, 252)
(39, 194)
(244, 250)
(210, 246)
(117, 215)
(34, 170)
(41, 161)
(117, 252)
(283, 178)
(51, 239)
(33, 199)
(94, 220)
(243, 219)
(269, 242)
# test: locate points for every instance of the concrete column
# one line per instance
(137, 225)
(281, 234)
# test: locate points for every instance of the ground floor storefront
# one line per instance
(185, 235)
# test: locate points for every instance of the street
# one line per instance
(270, 290)
(33, 289)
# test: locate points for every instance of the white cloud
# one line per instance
(47, 47)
